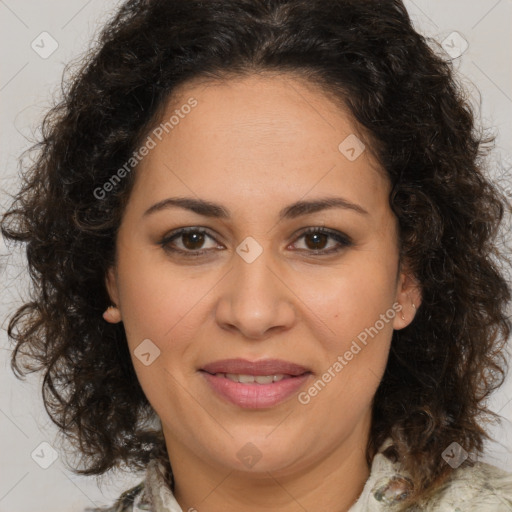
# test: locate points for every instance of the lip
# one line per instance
(254, 395)
(262, 367)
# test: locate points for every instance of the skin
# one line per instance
(256, 145)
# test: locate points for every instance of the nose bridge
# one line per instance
(254, 299)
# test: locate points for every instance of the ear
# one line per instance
(408, 296)
(113, 313)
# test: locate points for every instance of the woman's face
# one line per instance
(261, 149)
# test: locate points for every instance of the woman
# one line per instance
(265, 263)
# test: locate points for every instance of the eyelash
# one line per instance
(342, 239)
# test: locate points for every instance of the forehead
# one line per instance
(271, 108)
(265, 134)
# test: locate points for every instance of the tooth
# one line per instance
(264, 379)
(251, 379)
(246, 379)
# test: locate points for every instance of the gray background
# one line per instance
(28, 82)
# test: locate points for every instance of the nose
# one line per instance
(254, 299)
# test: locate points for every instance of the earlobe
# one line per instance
(112, 314)
(409, 297)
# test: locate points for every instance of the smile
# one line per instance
(254, 391)
(250, 379)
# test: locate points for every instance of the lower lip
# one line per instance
(255, 396)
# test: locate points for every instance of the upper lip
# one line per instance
(261, 367)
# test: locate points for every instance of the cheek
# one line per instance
(357, 326)
(351, 297)
(355, 305)
(157, 302)
(155, 295)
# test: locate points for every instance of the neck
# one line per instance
(332, 481)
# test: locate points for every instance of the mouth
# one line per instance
(263, 367)
(255, 385)
(253, 379)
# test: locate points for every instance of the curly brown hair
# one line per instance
(415, 117)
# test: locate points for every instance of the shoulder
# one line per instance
(478, 487)
(125, 502)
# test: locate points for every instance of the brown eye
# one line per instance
(193, 240)
(188, 241)
(318, 241)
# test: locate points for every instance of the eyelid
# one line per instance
(176, 233)
(343, 241)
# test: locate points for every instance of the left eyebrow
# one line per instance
(210, 209)
(307, 207)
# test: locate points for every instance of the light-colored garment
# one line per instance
(478, 488)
